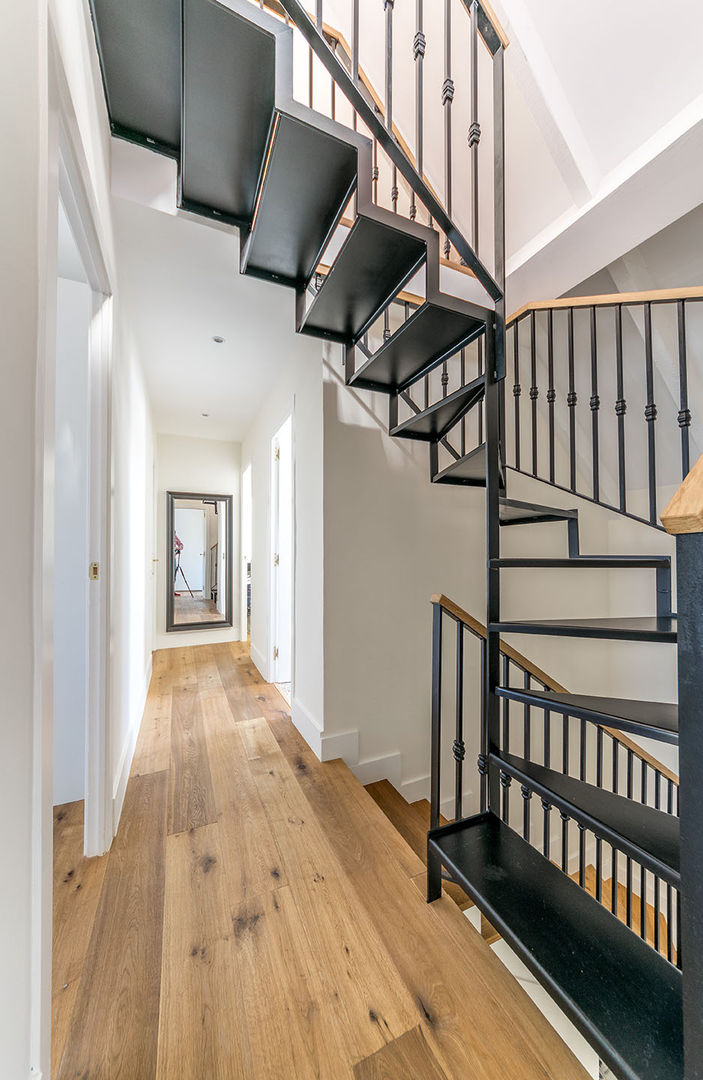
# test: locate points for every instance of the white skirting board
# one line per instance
(259, 661)
(122, 776)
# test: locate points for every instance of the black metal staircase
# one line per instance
(211, 84)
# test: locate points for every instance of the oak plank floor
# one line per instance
(279, 932)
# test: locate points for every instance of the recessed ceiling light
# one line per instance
(205, 414)
(218, 340)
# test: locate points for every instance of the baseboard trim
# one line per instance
(307, 726)
(382, 768)
(259, 661)
(344, 745)
(120, 785)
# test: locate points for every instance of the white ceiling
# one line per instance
(179, 286)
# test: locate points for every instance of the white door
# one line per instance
(282, 553)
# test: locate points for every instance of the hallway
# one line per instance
(259, 917)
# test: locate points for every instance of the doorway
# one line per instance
(246, 546)
(281, 643)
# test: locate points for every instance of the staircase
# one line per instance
(211, 84)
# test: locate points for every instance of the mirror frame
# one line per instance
(226, 621)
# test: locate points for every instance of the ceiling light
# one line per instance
(205, 414)
(218, 340)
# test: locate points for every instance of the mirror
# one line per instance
(199, 538)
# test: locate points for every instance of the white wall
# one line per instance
(298, 391)
(201, 466)
(71, 493)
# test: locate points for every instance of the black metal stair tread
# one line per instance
(375, 261)
(513, 512)
(433, 332)
(589, 561)
(434, 422)
(653, 719)
(224, 56)
(469, 470)
(648, 835)
(308, 181)
(643, 628)
(624, 997)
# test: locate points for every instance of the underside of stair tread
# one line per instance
(649, 835)
(433, 332)
(652, 719)
(469, 470)
(623, 996)
(140, 59)
(223, 148)
(375, 261)
(513, 512)
(643, 628)
(615, 562)
(308, 180)
(433, 423)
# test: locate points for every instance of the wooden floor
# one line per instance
(194, 609)
(259, 918)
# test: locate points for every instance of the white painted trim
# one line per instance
(125, 766)
(344, 745)
(307, 726)
(259, 661)
(412, 790)
(382, 768)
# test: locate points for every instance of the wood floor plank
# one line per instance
(114, 1027)
(77, 885)
(191, 800)
(406, 1058)
(201, 1029)
(153, 749)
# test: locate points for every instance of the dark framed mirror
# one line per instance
(199, 554)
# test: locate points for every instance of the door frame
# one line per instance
(274, 534)
(65, 173)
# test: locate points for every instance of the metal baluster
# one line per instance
(564, 841)
(571, 401)
(526, 797)
(333, 98)
(311, 59)
(388, 8)
(459, 749)
(565, 745)
(547, 738)
(355, 47)
(546, 830)
(657, 910)
(436, 715)
(582, 855)
(669, 889)
(599, 842)
(679, 959)
(643, 903)
(517, 389)
(447, 98)
(374, 171)
(620, 408)
(463, 419)
(475, 127)
(444, 379)
(480, 406)
(628, 863)
(613, 853)
(506, 706)
(582, 751)
(534, 392)
(527, 721)
(318, 14)
(551, 392)
(684, 416)
(427, 391)
(483, 752)
(595, 404)
(505, 782)
(419, 45)
(650, 413)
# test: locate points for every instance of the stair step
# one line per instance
(513, 512)
(376, 259)
(619, 562)
(651, 719)
(624, 997)
(644, 628)
(435, 330)
(224, 56)
(140, 60)
(309, 178)
(469, 470)
(650, 836)
(434, 423)
(413, 827)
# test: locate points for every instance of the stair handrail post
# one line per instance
(683, 518)
(436, 753)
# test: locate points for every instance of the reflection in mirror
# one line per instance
(199, 553)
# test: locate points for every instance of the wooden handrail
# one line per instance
(479, 629)
(684, 512)
(654, 296)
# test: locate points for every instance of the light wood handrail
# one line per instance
(684, 512)
(654, 296)
(479, 629)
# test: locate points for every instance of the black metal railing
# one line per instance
(608, 416)
(414, 176)
(641, 894)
